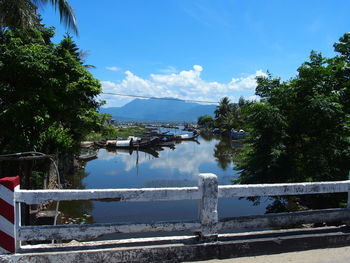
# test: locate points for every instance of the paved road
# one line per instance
(329, 255)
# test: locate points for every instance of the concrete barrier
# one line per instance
(8, 186)
(206, 227)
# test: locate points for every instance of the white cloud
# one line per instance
(182, 163)
(253, 97)
(186, 84)
(168, 159)
(168, 70)
(198, 68)
(113, 68)
(105, 155)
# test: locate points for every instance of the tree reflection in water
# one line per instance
(225, 152)
(79, 211)
(172, 168)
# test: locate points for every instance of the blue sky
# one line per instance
(200, 49)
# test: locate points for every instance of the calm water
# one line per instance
(165, 168)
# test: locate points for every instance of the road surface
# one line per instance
(328, 255)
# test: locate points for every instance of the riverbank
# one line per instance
(112, 132)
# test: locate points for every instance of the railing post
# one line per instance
(208, 206)
(347, 222)
(8, 220)
(348, 206)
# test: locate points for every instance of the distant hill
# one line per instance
(159, 110)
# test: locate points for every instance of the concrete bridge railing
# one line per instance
(208, 192)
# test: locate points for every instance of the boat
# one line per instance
(87, 157)
(216, 131)
(169, 144)
(86, 144)
(121, 151)
(132, 142)
(118, 143)
(100, 144)
(186, 137)
(236, 135)
(129, 151)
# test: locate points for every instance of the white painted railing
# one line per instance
(208, 192)
(140, 194)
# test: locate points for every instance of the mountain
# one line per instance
(159, 110)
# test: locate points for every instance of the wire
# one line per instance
(157, 98)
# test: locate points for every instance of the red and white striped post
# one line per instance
(8, 186)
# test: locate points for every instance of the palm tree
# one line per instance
(223, 109)
(67, 43)
(23, 13)
(226, 115)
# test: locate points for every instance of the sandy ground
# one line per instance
(329, 255)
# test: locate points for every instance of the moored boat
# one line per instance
(186, 137)
(170, 144)
(236, 135)
(118, 143)
(132, 142)
(87, 157)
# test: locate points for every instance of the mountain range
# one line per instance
(168, 109)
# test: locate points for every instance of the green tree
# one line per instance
(23, 13)
(48, 98)
(225, 152)
(224, 115)
(300, 130)
(223, 109)
(231, 115)
(206, 121)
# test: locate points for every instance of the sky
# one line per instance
(199, 49)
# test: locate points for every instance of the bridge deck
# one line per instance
(326, 255)
(188, 249)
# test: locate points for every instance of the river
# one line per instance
(165, 168)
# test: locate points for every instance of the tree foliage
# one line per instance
(48, 98)
(225, 152)
(231, 115)
(300, 131)
(23, 14)
(206, 121)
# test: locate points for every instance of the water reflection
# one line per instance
(223, 153)
(177, 167)
(127, 152)
(77, 211)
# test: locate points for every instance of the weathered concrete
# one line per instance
(81, 232)
(183, 240)
(208, 225)
(180, 193)
(208, 205)
(89, 245)
(283, 189)
(348, 206)
(137, 194)
(223, 248)
(326, 255)
(284, 219)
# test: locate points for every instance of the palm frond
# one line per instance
(66, 12)
(23, 13)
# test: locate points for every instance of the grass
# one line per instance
(112, 132)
